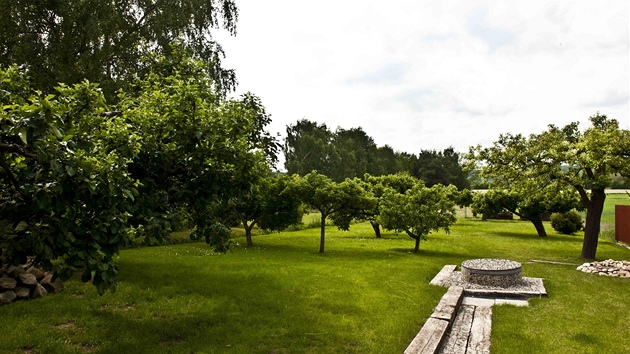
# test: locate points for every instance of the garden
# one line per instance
(364, 295)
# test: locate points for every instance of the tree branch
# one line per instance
(16, 149)
(7, 170)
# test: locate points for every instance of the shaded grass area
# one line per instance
(364, 295)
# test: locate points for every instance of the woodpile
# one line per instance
(19, 283)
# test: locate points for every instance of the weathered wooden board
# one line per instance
(429, 338)
(444, 274)
(456, 340)
(479, 340)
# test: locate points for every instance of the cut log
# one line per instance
(38, 273)
(54, 287)
(22, 291)
(15, 271)
(46, 279)
(28, 279)
(7, 284)
(7, 297)
(38, 291)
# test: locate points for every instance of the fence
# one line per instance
(622, 223)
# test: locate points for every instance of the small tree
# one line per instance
(419, 211)
(341, 201)
(272, 204)
(377, 185)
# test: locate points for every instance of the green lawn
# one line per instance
(364, 295)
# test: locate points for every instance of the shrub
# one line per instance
(566, 223)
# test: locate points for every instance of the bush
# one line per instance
(566, 223)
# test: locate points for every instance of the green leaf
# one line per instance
(71, 170)
(23, 133)
(21, 226)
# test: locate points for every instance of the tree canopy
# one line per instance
(105, 41)
(419, 210)
(198, 150)
(66, 192)
(566, 156)
(350, 153)
(272, 203)
(342, 202)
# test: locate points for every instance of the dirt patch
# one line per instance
(67, 325)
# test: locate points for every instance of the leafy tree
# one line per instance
(386, 161)
(272, 204)
(355, 153)
(442, 167)
(66, 193)
(530, 204)
(307, 148)
(198, 150)
(341, 201)
(104, 41)
(581, 160)
(378, 185)
(419, 211)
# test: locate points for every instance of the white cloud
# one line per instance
(431, 74)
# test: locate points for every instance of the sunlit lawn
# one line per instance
(364, 295)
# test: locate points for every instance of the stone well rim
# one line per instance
(499, 266)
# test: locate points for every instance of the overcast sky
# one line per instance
(433, 74)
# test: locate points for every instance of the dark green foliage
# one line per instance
(65, 187)
(352, 153)
(566, 223)
(198, 150)
(342, 202)
(307, 148)
(564, 157)
(443, 167)
(272, 203)
(104, 41)
(418, 211)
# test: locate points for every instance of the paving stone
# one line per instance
(519, 303)
(477, 301)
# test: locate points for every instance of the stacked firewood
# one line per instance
(17, 283)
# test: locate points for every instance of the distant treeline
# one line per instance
(348, 153)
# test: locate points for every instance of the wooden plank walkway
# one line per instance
(461, 323)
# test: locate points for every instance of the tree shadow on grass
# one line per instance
(534, 237)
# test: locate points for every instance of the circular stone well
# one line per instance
(492, 272)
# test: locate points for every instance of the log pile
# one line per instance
(19, 283)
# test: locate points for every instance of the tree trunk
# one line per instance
(322, 233)
(416, 249)
(594, 211)
(248, 233)
(538, 224)
(377, 228)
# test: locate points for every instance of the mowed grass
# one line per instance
(364, 295)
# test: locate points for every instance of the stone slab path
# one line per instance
(461, 323)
